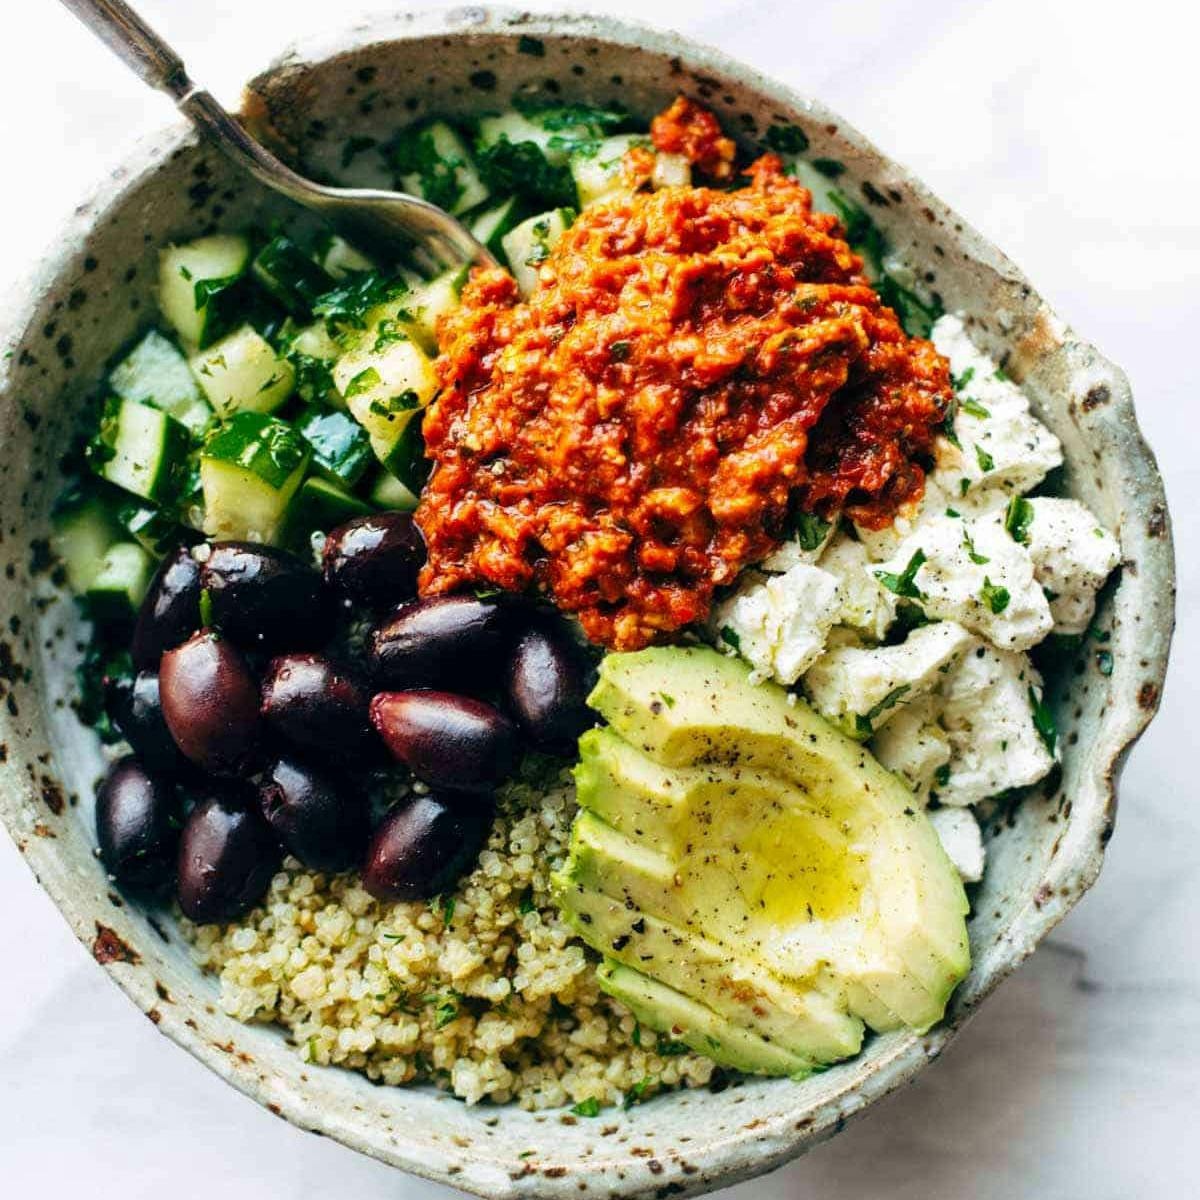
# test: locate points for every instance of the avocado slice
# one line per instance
(732, 843)
(663, 1008)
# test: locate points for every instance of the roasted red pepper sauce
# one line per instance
(693, 365)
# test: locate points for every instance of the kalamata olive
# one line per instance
(227, 855)
(375, 558)
(447, 741)
(135, 707)
(324, 826)
(137, 824)
(548, 684)
(210, 703)
(317, 706)
(170, 613)
(264, 598)
(445, 641)
(421, 849)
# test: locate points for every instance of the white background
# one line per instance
(1065, 131)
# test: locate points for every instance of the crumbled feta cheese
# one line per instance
(972, 572)
(866, 604)
(778, 623)
(883, 543)
(959, 833)
(862, 688)
(806, 544)
(1002, 450)
(1072, 557)
(913, 745)
(988, 713)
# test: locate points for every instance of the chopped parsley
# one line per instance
(587, 1108)
(973, 554)
(445, 1010)
(364, 381)
(619, 351)
(975, 409)
(985, 460)
(448, 903)
(947, 425)
(1017, 519)
(1043, 721)
(865, 723)
(810, 530)
(350, 303)
(958, 382)
(205, 604)
(904, 584)
(996, 598)
(637, 1092)
(730, 637)
(668, 700)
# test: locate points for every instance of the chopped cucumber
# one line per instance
(821, 186)
(250, 469)
(242, 373)
(495, 221)
(432, 161)
(596, 168)
(154, 529)
(120, 584)
(427, 304)
(156, 372)
(339, 259)
(529, 245)
(406, 459)
(312, 351)
(140, 449)
(290, 275)
(83, 532)
(320, 506)
(341, 447)
(389, 493)
(197, 285)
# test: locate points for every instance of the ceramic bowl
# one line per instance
(96, 289)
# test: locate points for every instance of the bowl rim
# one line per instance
(745, 1154)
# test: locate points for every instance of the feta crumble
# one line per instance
(972, 572)
(913, 745)
(962, 840)
(1072, 555)
(866, 605)
(861, 689)
(779, 623)
(988, 714)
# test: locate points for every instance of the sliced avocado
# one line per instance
(751, 842)
(663, 1008)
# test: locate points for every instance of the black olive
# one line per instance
(318, 707)
(445, 641)
(325, 827)
(423, 848)
(135, 707)
(170, 613)
(376, 558)
(264, 598)
(227, 855)
(548, 681)
(210, 703)
(137, 825)
(447, 741)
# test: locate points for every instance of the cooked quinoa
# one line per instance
(485, 992)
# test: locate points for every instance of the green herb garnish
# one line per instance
(996, 598)
(1043, 721)
(1017, 519)
(904, 584)
(864, 723)
(587, 1108)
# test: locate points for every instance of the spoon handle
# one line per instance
(135, 43)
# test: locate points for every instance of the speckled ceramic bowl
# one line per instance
(96, 289)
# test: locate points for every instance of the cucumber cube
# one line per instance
(197, 285)
(154, 529)
(529, 245)
(596, 168)
(242, 373)
(390, 494)
(249, 470)
(494, 222)
(156, 372)
(341, 447)
(429, 302)
(140, 449)
(339, 259)
(290, 275)
(312, 352)
(120, 584)
(83, 532)
(432, 161)
(320, 506)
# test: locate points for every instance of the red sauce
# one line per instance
(693, 366)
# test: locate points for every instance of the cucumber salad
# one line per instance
(438, 836)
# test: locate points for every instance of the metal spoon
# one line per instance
(388, 223)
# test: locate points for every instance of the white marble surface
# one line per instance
(1059, 128)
